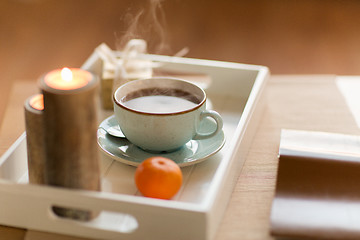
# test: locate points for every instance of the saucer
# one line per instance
(192, 152)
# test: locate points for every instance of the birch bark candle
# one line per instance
(70, 125)
(34, 106)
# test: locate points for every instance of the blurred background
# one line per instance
(288, 36)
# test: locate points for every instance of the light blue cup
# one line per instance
(158, 132)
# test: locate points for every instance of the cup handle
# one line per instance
(219, 124)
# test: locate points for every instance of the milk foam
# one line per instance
(159, 104)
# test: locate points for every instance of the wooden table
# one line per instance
(305, 102)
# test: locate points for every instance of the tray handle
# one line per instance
(119, 216)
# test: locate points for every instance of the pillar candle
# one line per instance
(70, 125)
(35, 138)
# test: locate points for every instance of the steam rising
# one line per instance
(148, 24)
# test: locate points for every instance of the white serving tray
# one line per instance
(236, 92)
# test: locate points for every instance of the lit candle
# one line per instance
(35, 138)
(37, 102)
(70, 126)
(67, 79)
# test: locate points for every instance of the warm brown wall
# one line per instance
(289, 36)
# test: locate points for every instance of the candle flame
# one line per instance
(37, 102)
(66, 74)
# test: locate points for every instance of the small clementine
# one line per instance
(158, 177)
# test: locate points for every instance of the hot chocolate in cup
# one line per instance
(162, 114)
